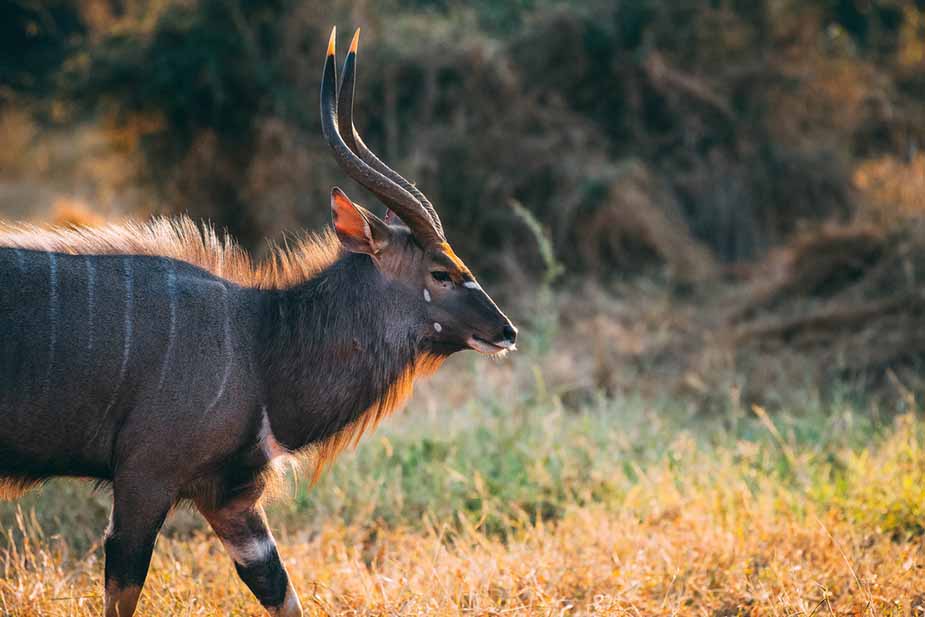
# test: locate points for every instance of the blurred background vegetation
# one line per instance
(734, 188)
(683, 135)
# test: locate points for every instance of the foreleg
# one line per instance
(243, 530)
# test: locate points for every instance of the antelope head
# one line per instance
(409, 247)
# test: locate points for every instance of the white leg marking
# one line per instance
(226, 351)
(172, 334)
(291, 605)
(251, 550)
(437, 327)
(426, 296)
(127, 340)
(472, 285)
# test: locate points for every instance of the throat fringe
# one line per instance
(323, 454)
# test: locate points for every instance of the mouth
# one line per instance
(489, 348)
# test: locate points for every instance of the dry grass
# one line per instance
(817, 514)
(694, 558)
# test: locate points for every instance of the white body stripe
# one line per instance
(226, 350)
(52, 314)
(172, 333)
(127, 326)
(91, 301)
(20, 259)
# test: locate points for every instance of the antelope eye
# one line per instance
(441, 277)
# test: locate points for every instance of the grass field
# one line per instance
(505, 502)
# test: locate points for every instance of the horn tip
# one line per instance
(331, 41)
(355, 42)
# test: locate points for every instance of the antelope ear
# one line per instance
(359, 230)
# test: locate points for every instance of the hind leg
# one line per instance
(242, 528)
(138, 511)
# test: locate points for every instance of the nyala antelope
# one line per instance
(157, 358)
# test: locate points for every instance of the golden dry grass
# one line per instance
(693, 558)
(750, 526)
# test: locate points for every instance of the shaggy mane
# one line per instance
(182, 239)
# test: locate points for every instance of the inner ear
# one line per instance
(359, 230)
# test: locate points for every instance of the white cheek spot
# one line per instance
(426, 296)
(471, 285)
(437, 327)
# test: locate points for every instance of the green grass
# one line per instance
(500, 465)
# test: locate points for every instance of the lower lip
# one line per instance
(485, 347)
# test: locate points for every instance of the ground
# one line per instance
(693, 559)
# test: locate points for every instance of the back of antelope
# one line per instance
(158, 359)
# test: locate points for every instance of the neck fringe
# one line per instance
(318, 457)
(182, 239)
(324, 453)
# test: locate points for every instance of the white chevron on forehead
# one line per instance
(227, 350)
(181, 238)
(172, 327)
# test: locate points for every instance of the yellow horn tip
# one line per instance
(355, 42)
(331, 41)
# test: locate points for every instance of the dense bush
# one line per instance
(645, 132)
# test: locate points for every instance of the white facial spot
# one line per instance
(426, 296)
(471, 285)
(437, 327)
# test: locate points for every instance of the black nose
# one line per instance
(509, 332)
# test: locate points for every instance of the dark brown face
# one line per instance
(457, 313)
(463, 314)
